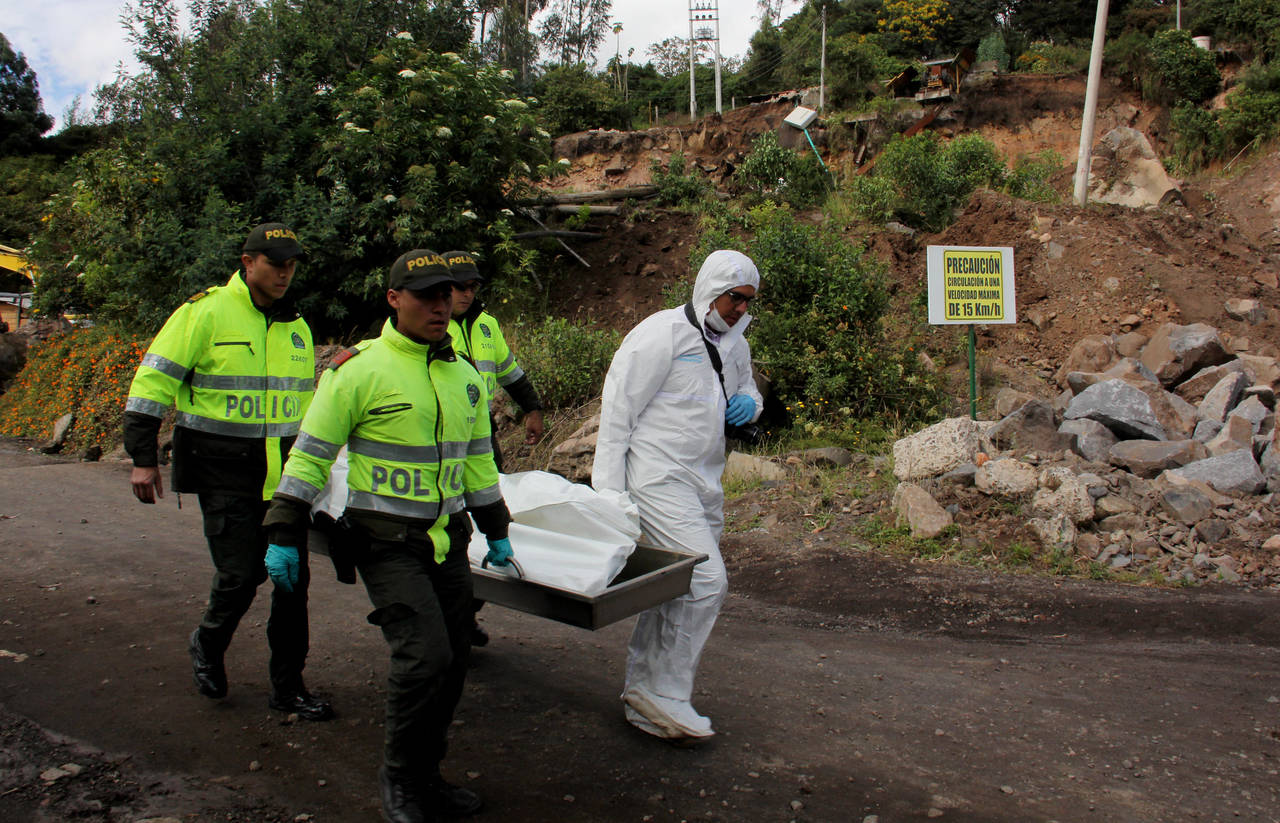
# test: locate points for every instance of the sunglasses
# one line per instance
(434, 293)
(739, 299)
(470, 285)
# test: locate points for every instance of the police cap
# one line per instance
(419, 269)
(462, 265)
(276, 240)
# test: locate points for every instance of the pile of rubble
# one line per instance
(1159, 455)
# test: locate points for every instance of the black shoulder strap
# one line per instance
(712, 352)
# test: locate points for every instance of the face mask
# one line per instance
(716, 322)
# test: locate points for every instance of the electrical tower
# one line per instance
(704, 26)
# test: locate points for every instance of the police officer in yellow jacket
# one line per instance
(414, 418)
(475, 332)
(238, 362)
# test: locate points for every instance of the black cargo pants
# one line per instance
(424, 611)
(238, 546)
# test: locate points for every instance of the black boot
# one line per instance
(449, 800)
(401, 800)
(479, 637)
(301, 702)
(207, 669)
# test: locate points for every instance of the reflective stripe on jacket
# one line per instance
(481, 340)
(232, 371)
(415, 423)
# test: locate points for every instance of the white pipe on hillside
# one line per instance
(1091, 104)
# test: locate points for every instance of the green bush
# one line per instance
(1249, 116)
(817, 333)
(1047, 58)
(1030, 178)
(1183, 70)
(678, 184)
(931, 178)
(566, 361)
(573, 98)
(1197, 138)
(992, 48)
(780, 174)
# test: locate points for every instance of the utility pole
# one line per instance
(524, 48)
(1090, 104)
(617, 54)
(705, 14)
(1178, 18)
(822, 64)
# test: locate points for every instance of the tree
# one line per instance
(243, 120)
(1255, 22)
(917, 22)
(971, 20)
(22, 118)
(573, 99)
(575, 29)
(671, 56)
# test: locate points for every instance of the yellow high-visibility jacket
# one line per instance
(415, 421)
(241, 378)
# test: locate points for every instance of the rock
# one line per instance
(1211, 530)
(1261, 370)
(1124, 521)
(1010, 400)
(1185, 505)
(1093, 441)
(1272, 543)
(1093, 353)
(1265, 394)
(1062, 492)
(1236, 433)
(1147, 458)
(1037, 318)
(1252, 410)
(937, 449)
(1126, 171)
(962, 475)
(60, 431)
(1223, 397)
(1078, 381)
(1031, 427)
(1128, 368)
(1194, 388)
(1088, 545)
(1206, 429)
(1130, 344)
(1056, 533)
(827, 456)
(1006, 477)
(1175, 351)
(1175, 415)
(1121, 407)
(572, 459)
(749, 467)
(1235, 472)
(917, 508)
(1246, 309)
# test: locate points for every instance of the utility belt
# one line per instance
(354, 536)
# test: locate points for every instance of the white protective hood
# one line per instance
(662, 417)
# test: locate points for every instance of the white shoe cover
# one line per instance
(663, 716)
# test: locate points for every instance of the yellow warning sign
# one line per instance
(973, 285)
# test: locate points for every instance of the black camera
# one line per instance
(746, 433)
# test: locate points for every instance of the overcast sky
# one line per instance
(76, 45)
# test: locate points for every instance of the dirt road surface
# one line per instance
(845, 688)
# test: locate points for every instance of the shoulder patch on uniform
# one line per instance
(200, 295)
(473, 393)
(344, 355)
(484, 329)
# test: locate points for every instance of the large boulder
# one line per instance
(1127, 172)
(1179, 351)
(1121, 407)
(1223, 397)
(1006, 477)
(1147, 458)
(1093, 441)
(1031, 427)
(917, 508)
(937, 449)
(1062, 492)
(1235, 472)
(1194, 388)
(573, 458)
(1094, 353)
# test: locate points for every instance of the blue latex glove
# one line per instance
(740, 409)
(500, 552)
(282, 566)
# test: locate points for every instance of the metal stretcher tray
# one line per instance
(651, 577)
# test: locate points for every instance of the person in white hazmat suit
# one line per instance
(662, 440)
